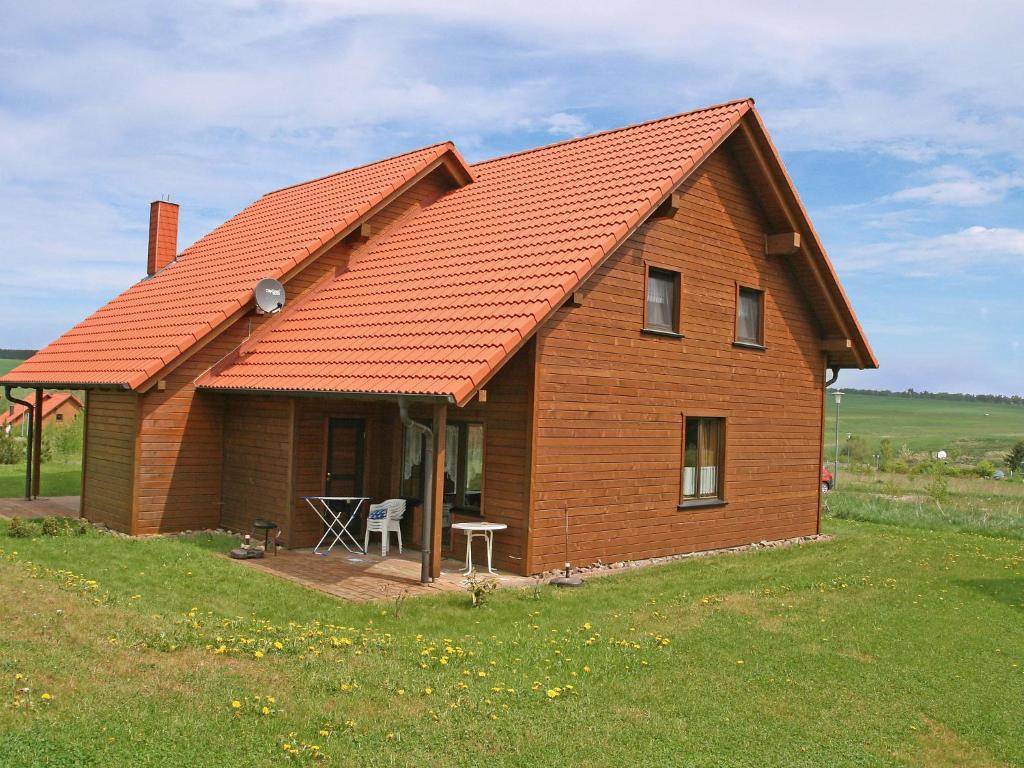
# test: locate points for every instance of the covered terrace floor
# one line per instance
(361, 577)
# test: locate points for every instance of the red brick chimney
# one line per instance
(163, 235)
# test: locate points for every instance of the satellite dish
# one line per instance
(269, 295)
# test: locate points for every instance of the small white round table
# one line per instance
(484, 530)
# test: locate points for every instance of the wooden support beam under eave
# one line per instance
(782, 244)
(668, 208)
(836, 344)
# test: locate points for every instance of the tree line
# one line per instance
(924, 394)
(16, 354)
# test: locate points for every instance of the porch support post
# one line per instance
(37, 436)
(440, 422)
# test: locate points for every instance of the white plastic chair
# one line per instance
(384, 518)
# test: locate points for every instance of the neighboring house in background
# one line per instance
(58, 408)
(631, 329)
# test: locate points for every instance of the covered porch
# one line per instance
(281, 448)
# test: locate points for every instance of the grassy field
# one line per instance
(888, 646)
(975, 429)
(970, 504)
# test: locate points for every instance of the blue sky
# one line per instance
(901, 123)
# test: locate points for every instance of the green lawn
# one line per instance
(926, 425)
(56, 478)
(887, 646)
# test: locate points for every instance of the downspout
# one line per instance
(428, 489)
(28, 448)
(824, 393)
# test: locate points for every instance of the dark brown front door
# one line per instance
(346, 443)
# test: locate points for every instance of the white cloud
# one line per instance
(564, 124)
(959, 187)
(106, 105)
(978, 250)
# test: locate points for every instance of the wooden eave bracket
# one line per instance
(361, 233)
(668, 208)
(782, 244)
(836, 344)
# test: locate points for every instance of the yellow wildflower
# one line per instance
(258, 654)
(236, 704)
(46, 697)
(553, 694)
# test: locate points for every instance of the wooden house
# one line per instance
(620, 344)
(59, 408)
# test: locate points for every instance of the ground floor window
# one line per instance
(703, 451)
(463, 465)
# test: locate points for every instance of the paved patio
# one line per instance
(366, 577)
(54, 506)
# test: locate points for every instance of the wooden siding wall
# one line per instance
(257, 467)
(109, 458)
(179, 475)
(611, 400)
(506, 417)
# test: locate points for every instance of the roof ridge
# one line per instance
(748, 99)
(359, 167)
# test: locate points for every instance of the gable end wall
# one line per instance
(610, 400)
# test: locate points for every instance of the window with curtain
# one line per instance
(750, 316)
(703, 443)
(463, 465)
(662, 300)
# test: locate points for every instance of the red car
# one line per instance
(827, 481)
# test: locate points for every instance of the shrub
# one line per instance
(899, 466)
(480, 587)
(1015, 458)
(984, 468)
(12, 449)
(21, 528)
(63, 526)
(938, 488)
(66, 441)
(857, 450)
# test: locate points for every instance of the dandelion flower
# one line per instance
(236, 704)
(278, 644)
(553, 694)
(428, 691)
(46, 697)
(258, 654)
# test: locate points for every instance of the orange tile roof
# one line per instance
(51, 402)
(139, 333)
(431, 306)
(434, 307)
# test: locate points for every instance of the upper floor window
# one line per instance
(661, 312)
(750, 316)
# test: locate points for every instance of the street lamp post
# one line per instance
(835, 475)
